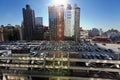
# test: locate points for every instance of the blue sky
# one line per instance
(94, 13)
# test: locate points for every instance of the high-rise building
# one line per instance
(60, 23)
(56, 22)
(52, 22)
(72, 22)
(64, 23)
(28, 23)
(38, 30)
(76, 22)
(1, 34)
(38, 21)
(69, 23)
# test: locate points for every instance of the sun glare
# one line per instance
(59, 2)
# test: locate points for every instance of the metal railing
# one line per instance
(67, 67)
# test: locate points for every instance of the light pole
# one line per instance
(118, 58)
(118, 53)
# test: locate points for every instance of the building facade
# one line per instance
(72, 22)
(52, 22)
(1, 34)
(28, 23)
(83, 34)
(60, 23)
(64, 23)
(38, 21)
(69, 23)
(38, 31)
(94, 32)
(101, 32)
(76, 22)
(10, 33)
(56, 22)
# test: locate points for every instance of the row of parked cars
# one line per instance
(65, 46)
(70, 46)
(98, 56)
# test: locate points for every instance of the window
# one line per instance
(60, 30)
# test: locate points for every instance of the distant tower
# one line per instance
(28, 22)
(56, 22)
(76, 22)
(100, 32)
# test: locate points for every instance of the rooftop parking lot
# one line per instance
(43, 51)
(84, 50)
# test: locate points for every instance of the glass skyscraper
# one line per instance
(56, 22)
(69, 22)
(28, 23)
(72, 21)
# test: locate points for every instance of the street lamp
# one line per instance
(119, 59)
(118, 53)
